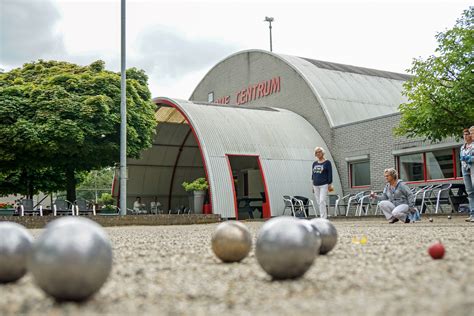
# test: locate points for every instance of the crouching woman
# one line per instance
(397, 200)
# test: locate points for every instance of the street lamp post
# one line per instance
(123, 117)
(270, 20)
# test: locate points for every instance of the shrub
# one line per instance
(200, 184)
(106, 199)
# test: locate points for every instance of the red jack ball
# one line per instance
(436, 251)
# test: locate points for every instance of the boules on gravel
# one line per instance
(431, 220)
(15, 247)
(328, 234)
(285, 248)
(72, 259)
(231, 241)
(316, 234)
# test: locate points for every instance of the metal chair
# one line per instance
(82, 207)
(365, 204)
(428, 198)
(444, 197)
(155, 208)
(305, 204)
(63, 207)
(27, 207)
(342, 202)
(355, 200)
(290, 204)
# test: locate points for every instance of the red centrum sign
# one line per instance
(254, 91)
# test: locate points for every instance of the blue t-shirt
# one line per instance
(322, 173)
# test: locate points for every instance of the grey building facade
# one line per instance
(354, 109)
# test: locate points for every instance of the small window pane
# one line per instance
(439, 164)
(360, 173)
(411, 167)
(210, 97)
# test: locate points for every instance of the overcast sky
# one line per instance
(176, 42)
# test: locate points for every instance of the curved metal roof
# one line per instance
(350, 94)
(282, 140)
(347, 94)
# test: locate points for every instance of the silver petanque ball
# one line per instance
(231, 241)
(316, 235)
(328, 234)
(15, 246)
(71, 259)
(285, 248)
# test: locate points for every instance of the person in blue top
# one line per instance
(467, 161)
(322, 180)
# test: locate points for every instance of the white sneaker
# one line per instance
(470, 219)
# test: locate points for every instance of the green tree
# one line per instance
(441, 93)
(67, 117)
(95, 183)
(27, 181)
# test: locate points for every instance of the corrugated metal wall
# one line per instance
(283, 140)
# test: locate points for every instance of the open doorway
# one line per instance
(250, 194)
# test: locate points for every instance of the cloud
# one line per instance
(28, 31)
(168, 55)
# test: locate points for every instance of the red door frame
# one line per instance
(265, 208)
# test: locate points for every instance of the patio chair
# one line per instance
(82, 207)
(342, 202)
(418, 192)
(429, 198)
(444, 197)
(355, 201)
(305, 204)
(365, 204)
(63, 207)
(291, 204)
(27, 208)
(155, 208)
(180, 210)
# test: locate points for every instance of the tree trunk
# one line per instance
(28, 184)
(70, 185)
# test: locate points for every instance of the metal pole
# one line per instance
(270, 20)
(123, 118)
(271, 48)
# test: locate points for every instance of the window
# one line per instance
(411, 167)
(210, 97)
(431, 165)
(439, 164)
(359, 173)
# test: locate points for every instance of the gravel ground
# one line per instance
(172, 270)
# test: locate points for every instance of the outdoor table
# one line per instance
(244, 203)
